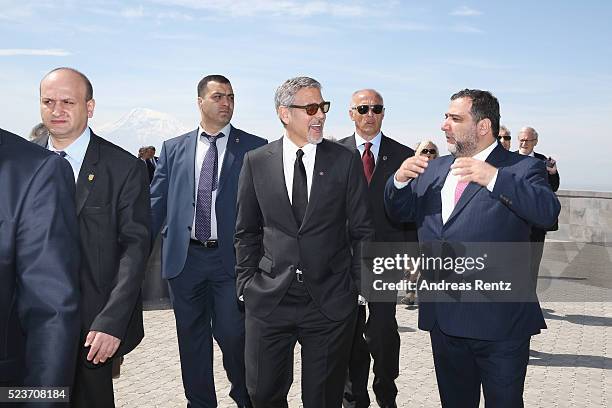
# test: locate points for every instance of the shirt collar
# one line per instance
(77, 149)
(483, 155)
(359, 141)
(225, 130)
(291, 148)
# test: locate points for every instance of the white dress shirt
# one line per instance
(289, 155)
(375, 148)
(202, 146)
(450, 184)
(75, 151)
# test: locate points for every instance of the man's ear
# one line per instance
(484, 126)
(91, 105)
(283, 115)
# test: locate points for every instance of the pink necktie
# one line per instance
(459, 190)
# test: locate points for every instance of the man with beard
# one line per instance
(302, 213)
(480, 193)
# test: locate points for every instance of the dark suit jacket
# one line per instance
(521, 198)
(173, 197)
(39, 259)
(553, 181)
(390, 157)
(112, 204)
(270, 245)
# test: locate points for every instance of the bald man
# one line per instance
(381, 156)
(112, 205)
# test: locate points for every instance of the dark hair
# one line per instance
(210, 78)
(86, 81)
(484, 106)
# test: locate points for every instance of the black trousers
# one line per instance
(377, 337)
(463, 365)
(93, 387)
(270, 344)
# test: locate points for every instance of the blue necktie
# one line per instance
(61, 153)
(206, 185)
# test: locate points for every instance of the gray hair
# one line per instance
(504, 129)
(530, 130)
(38, 132)
(285, 93)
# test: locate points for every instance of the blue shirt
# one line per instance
(360, 142)
(75, 152)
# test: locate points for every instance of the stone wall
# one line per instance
(586, 216)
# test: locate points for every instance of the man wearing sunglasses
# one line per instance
(302, 215)
(380, 156)
(504, 137)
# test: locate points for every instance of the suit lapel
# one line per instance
(496, 157)
(276, 177)
(87, 173)
(319, 175)
(229, 158)
(384, 154)
(189, 162)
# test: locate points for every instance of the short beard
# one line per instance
(466, 148)
(312, 140)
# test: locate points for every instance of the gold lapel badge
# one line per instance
(90, 178)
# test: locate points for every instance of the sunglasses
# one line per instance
(312, 108)
(507, 138)
(363, 109)
(429, 151)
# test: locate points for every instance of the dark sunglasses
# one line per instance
(312, 108)
(363, 109)
(507, 138)
(431, 151)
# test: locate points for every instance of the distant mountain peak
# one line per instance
(142, 127)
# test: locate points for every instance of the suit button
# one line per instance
(189, 228)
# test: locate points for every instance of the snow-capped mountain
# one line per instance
(142, 127)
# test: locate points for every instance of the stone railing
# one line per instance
(586, 216)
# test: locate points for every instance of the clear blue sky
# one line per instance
(548, 62)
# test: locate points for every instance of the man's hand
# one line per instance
(472, 170)
(103, 346)
(551, 166)
(411, 168)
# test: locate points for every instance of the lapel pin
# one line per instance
(384, 157)
(237, 140)
(90, 178)
(321, 173)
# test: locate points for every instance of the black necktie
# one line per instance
(61, 153)
(206, 185)
(299, 195)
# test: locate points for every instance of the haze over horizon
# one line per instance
(549, 64)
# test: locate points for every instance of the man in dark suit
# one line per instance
(39, 259)
(151, 161)
(528, 139)
(380, 156)
(302, 215)
(480, 193)
(193, 196)
(112, 205)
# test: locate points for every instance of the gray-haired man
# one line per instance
(297, 267)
